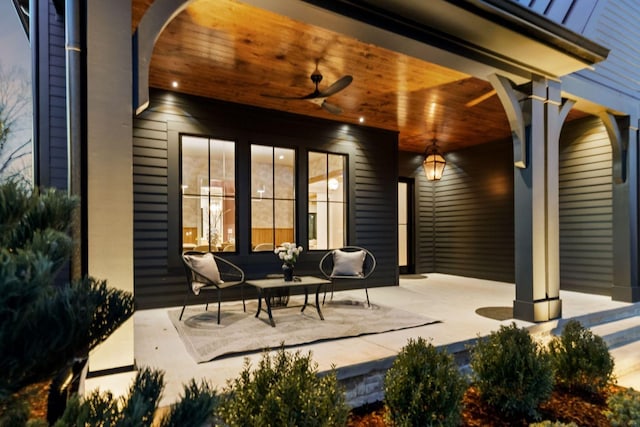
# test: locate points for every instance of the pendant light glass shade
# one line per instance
(434, 163)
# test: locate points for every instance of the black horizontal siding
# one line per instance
(57, 164)
(473, 225)
(159, 278)
(586, 207)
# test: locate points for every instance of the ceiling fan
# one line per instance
(319, 97)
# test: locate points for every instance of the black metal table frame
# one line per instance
(263, 293)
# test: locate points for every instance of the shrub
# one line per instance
(512, 372)
(581, 359)
(34, 248)
(196, 406)
(284, 390)
(102, 409)
(624, 408)
(423, 387)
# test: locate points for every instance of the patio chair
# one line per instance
(206, 271)
(349, 262)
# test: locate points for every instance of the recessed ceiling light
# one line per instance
(174, 83)
(281, 157)
(361, 119)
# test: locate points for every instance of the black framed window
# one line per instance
(208, 193)
(327, 208)
(273, 197)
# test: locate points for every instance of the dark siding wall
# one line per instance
(57, 96)
(424, 197)
(372, 154)
(464, 222)
(586, 235)
(614, 25)
(474, 226)
(49, 85)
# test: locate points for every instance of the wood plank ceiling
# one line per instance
(227, 50)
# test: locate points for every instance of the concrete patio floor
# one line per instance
(451, 299)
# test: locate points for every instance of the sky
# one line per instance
(15, 55)
(14, 45)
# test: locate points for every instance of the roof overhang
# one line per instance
(497, 33)
(22, 8)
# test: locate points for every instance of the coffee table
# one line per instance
(265, 286)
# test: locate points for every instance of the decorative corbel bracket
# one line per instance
(618, 128)
(511, 104)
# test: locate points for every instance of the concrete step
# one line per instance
(544, 331)
(627, 359)
(620, 329)
(606, 316)
(619, 332)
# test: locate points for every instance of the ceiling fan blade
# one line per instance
(333, 109)
(309, 96)
(336, 87)
(480, 99)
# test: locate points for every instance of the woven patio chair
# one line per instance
(207, 272)
(348, 263)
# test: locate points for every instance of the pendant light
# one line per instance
(433, 163)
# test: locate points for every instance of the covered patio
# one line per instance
(453, 300)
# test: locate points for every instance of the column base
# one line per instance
(537, 311)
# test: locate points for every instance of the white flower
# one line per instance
(288, 252)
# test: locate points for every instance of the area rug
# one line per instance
(240, 332)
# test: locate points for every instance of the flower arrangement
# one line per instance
(288, 253)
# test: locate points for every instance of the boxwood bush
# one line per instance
(581, 359)
(512, 372)
(284, 390)
(423, 387)
(624, 408)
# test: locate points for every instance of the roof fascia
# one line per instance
(516, 17)
(493, 32)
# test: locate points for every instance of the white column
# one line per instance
(110, 164)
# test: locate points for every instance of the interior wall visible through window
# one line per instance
(273, 197)
(208, 194)
(327, 200)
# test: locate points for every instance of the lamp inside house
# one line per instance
(433, 163)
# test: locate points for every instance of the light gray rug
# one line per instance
(241, 332)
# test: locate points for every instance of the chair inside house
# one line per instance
(208, 272)
(264, 247)
(348, 263)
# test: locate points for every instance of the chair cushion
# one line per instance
(348, 263)
(206, 267)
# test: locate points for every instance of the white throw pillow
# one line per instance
(205, 266)
(348, 263)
